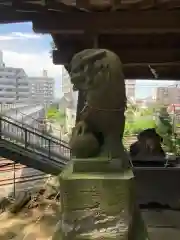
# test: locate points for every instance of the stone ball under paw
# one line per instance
(85, 146)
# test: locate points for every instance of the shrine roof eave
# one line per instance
(150, 23)
(87, 5)
(24, 10)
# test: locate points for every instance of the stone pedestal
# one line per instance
(98, 202)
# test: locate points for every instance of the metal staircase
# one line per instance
(29, 146)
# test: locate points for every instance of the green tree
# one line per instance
(164, 128)
(53, 114)
(131, 111)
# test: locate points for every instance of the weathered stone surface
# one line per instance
(52, 188)
(4, 204)
(57, 233)
(99, 164)
(99, 205)
(21, 200)
(162, 218)
(85, 144)
(164, 233)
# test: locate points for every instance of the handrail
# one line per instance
(31, 150)
(33, 130)
(29, 147)
(38, 129)
(31, 159)
(39, 144)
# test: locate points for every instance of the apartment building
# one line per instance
(14, 86)
(72, 98)
(130, 88)
(167, 95)
(42, 89)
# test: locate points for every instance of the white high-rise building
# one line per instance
(42, 88)
(167, 95)
(1, 59)
(130, 88)
(72, 98)
(14, 87)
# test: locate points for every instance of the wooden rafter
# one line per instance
(136, 41)
(146, 41)
(96, 5)
(12, 16)
(112, 22)
(149, 56)
(164, 71)
(43, 6)
(153, 71)
(120, 41)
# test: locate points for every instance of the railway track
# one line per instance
(7, 166)
(20, 180)
(4, 161)
(10, 168)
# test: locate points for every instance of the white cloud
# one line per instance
(30, 51)
(26, 35)
(19, 36)
(33, 64)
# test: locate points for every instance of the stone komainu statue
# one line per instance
(100, 204)
(148, 144)
(100, 129)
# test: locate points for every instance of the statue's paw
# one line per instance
(80, 129)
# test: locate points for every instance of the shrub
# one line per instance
(55, 115)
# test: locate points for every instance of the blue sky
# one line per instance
(22, 48)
